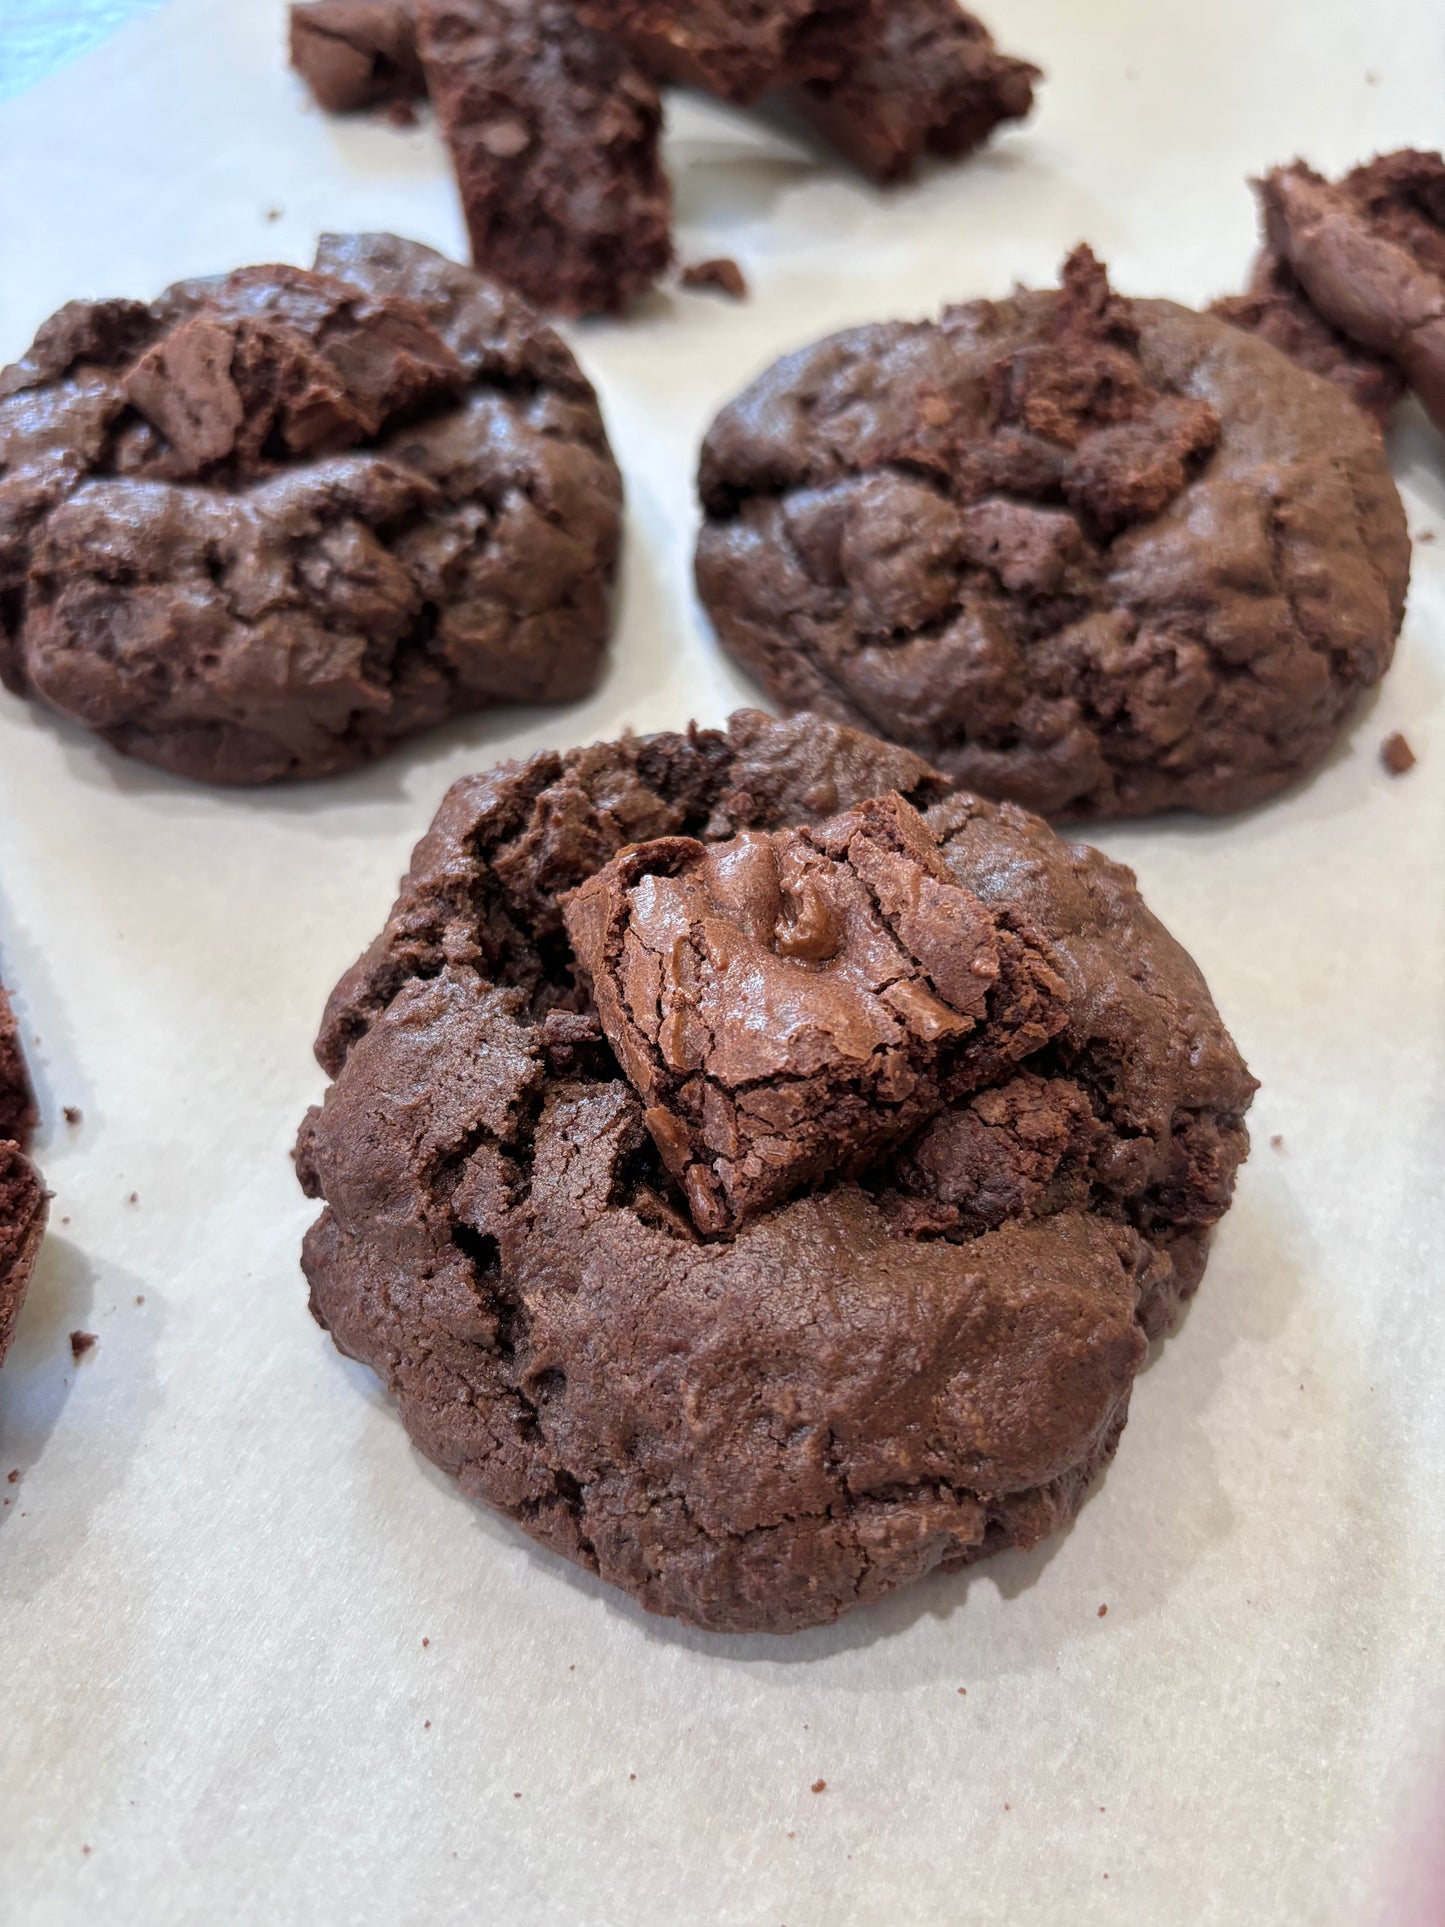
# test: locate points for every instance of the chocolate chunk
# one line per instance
(1094, 555)
(787, 1005)
(555, 138)
(921, 77)
(890, 1369)
(1278, 310)
(357, 53)
(274, 522)
(1397, 756)
(23, 1198)
(1369, 252)
(722, 276)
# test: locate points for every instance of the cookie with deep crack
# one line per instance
(23, 1198)
(1369, 252)
(1096, 556)
(270, 524)
(575, 1212)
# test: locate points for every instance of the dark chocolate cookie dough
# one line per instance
(23, 1198)
(1097, 556)
(273, 522)
(578, 1211)
(1370, 253)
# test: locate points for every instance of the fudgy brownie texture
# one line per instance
(1370, 253)
(1278, 310)
(736, 49)
(271, 523)
(923, 1354)
(357, 53)
(924, 77)
(794, 1004)
(1100, 557)
(23, 1198)
(555, 136)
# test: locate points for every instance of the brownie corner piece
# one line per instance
(555, 136)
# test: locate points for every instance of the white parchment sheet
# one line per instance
(258, 1662)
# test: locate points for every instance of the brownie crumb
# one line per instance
(1397, 755)
(516, 1796)
(722, 276)
(632, 1776)
(426, 1726)
(819, 1786)
(1102, 1611)
(1276, 1143)
(11, 1477)
(963, 1692)
(426, 1642)
(140, 1297)
(400, 114)
(273, 214)
(71, 1114)
(81, 1343)
(1426, 535)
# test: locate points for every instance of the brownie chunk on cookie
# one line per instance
(1370, 254)
(23, 1198)
(272, 523)
(758, 1169)
(792, 1004)
(555, 136)
(1096, 556)
(356, 53)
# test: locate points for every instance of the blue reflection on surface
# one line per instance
(38, 37)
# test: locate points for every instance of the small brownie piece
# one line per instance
(1277, 309)
(555, 139)
(792, 1004)
(1370, 254)
(356, 53)
(270, 524)
(924, 77)
(23, 1198)
(722, 276)
(736, 49)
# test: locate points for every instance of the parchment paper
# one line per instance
(222, 1562)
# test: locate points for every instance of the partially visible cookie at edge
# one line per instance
(270, 524)
(1369, 251)
(873, 1372)
(23, 1199)
(1098, 556)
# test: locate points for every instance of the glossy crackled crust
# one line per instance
(1100, 557)
(23, 1199)
(762, 1430)
(271, 523)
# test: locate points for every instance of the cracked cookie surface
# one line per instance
(1096, 556)
(273, 522)
(892, 1368)
(23, 1199)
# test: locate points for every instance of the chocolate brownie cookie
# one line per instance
(926, 78)
(555, 137)
(757, 1169)
(1100, 557)
(356, 53)
(270, 524)
(1277, 309)
(23, 1198)
(1370, 254)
